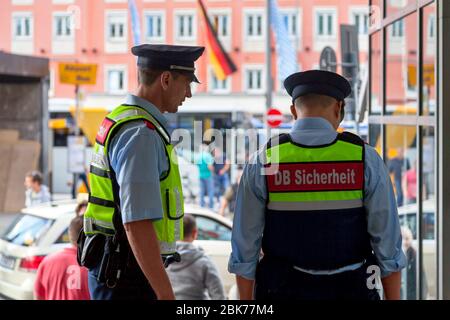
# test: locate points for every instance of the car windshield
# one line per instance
(27, 230)
(209, 229)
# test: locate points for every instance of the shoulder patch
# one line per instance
(103, 131)
(149, 125)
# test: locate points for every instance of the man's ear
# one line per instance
(165, 79)
(294, 112)
(341, 111)
(195, 233)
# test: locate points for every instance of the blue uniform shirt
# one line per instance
(137, 155)
(379, 201)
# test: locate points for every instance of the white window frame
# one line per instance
(57, 15)
(221, 13)
(22, 2)
(398, 3)
(393, 28)
(161, 14)
(115, 16)
(63, 1)
(212, 78)
(22, 15)
(256, 12)
(291, 12)
(110, 68)
(186, 13)
(361, 12)
(249, 68)
(327, 11)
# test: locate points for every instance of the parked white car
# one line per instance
(42, 230)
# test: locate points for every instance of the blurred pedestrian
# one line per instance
(409, 280)
(396, 167)
(195, 277)
(410, 185)
(81, 184)
(205, 161)
(229, 198)
(221, 170)
(59, 277)
(36, 192)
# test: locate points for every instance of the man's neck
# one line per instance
(311, 115)
(37, 188)
(150, 94)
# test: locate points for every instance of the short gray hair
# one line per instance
(313, 99)
(149, 76)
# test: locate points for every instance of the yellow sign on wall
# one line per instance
(77, 73)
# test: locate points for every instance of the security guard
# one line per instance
(135, 210)
(319, 205)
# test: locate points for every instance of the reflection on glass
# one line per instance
(401, 156)
(393, 6)
(376, 73)
(401, 67)
(429, 29)
(401, 160)
(429, 248)
(375, 13)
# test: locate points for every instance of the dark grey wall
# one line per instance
(21, 109)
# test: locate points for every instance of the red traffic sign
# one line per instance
(274, 117)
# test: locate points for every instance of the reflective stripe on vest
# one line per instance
(315, 216)
(312, 205)
(103, 203)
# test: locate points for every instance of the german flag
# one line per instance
(220, 60)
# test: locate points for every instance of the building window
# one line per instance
(116, 80)
(22, 26)
(63, 25)
(185, 26)
(254, 80)
(154, 26)
(398, 29)
(291, 23)
(116, 27)
(219, 86)
(361, 21)
(326, 23)
(431, 26)
(254, 25)
(220, 24)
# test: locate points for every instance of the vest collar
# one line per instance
(131, 99)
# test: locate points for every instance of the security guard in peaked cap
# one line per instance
(320, 206)
(135, 211)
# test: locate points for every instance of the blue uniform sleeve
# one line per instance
(382, 216)
(248, 222)
(137, 156)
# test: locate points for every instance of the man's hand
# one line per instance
(245, 288)
(144, 243)
(391, 286)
